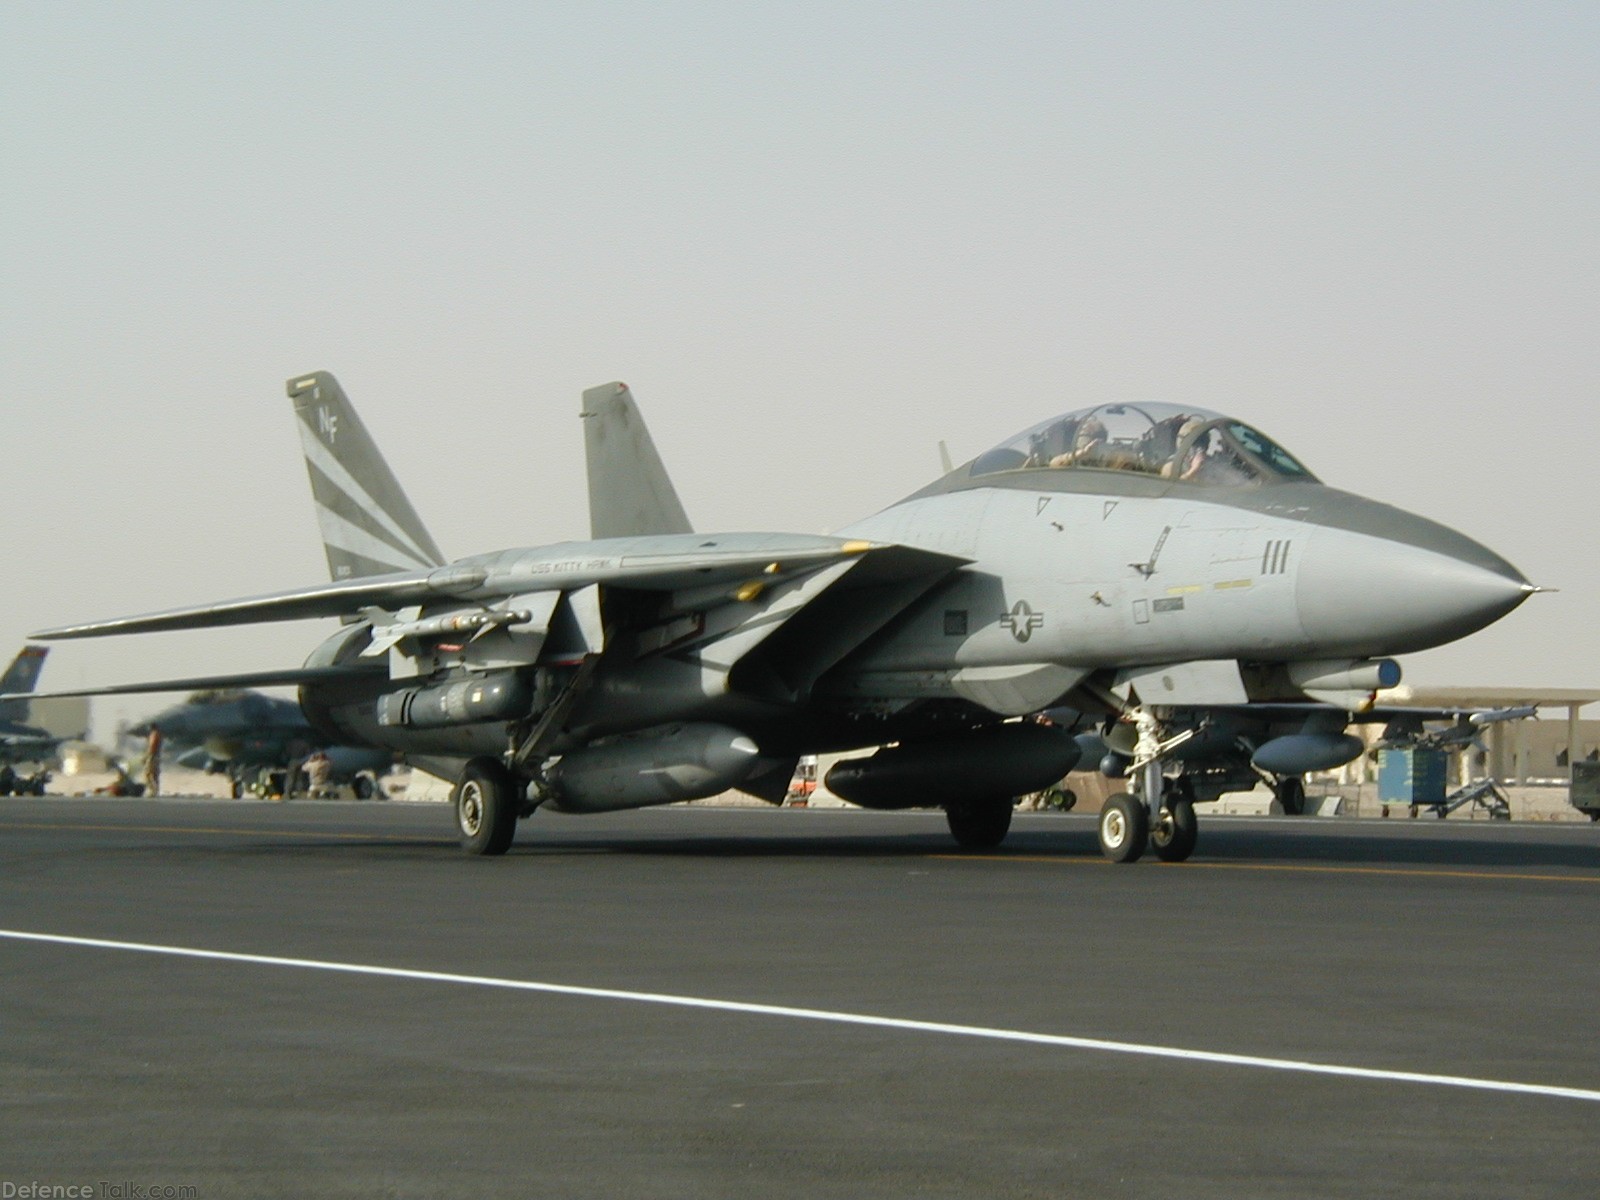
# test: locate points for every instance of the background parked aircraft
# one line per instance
(21, 743)
(257, 741)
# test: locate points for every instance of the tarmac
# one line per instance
(328, 998)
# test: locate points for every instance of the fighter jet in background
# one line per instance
(20, 742)
(1152, 567)
(250, 737)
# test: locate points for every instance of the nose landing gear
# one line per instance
(1124, 828)
(1167, 824)
(1174, 835)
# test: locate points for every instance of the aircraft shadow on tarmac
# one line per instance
(1408, 844)
(1408, 848)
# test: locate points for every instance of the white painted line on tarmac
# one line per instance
(821, 1014)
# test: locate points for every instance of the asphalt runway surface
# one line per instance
(728, 1002)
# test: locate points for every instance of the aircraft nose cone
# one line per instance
(1392, 583)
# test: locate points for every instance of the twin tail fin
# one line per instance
(368, 525)
(630, 494)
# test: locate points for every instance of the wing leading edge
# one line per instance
(291, 677)
(666, 563)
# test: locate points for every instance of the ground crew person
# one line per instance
(152, 762)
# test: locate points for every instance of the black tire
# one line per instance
(486, 803)
(1291, 793)
(236, 787)
(1175, 834)
(363, 787)
(1124, 828)
(979, 824)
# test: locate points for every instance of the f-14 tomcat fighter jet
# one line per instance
(1169, 574)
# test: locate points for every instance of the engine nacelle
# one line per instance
(684, 762)
(500, 696)
(1297, 753)
(1007, 761)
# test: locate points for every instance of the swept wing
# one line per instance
(668, 563)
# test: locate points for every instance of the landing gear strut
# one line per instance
(486, 801)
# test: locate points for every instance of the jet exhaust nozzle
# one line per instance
(1007, 761)
(1297, 753)
(497, 696)
(683, 762)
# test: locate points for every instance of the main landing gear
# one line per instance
(1289, 795)
(487, 800)
(980, 824)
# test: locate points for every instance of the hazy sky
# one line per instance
(815, 239)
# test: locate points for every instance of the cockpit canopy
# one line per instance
(1182, 444)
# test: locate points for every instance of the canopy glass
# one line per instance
(1168, 441)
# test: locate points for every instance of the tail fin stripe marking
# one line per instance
(341, 534)
(336, 505)
(317, 454)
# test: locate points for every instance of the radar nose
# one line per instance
(1388, 582)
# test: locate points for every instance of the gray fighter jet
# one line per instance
(20, 742)
(251, 738)
(1155, 567)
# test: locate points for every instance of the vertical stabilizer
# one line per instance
(368, 525)
(629, 492)
(21, 676)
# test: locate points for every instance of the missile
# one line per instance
(1491, 716)
(477, 623)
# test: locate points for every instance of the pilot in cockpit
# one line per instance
(1188, 452)
(1047, 448)
(1088, 447)
(1159, 445)
(1212, 458)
